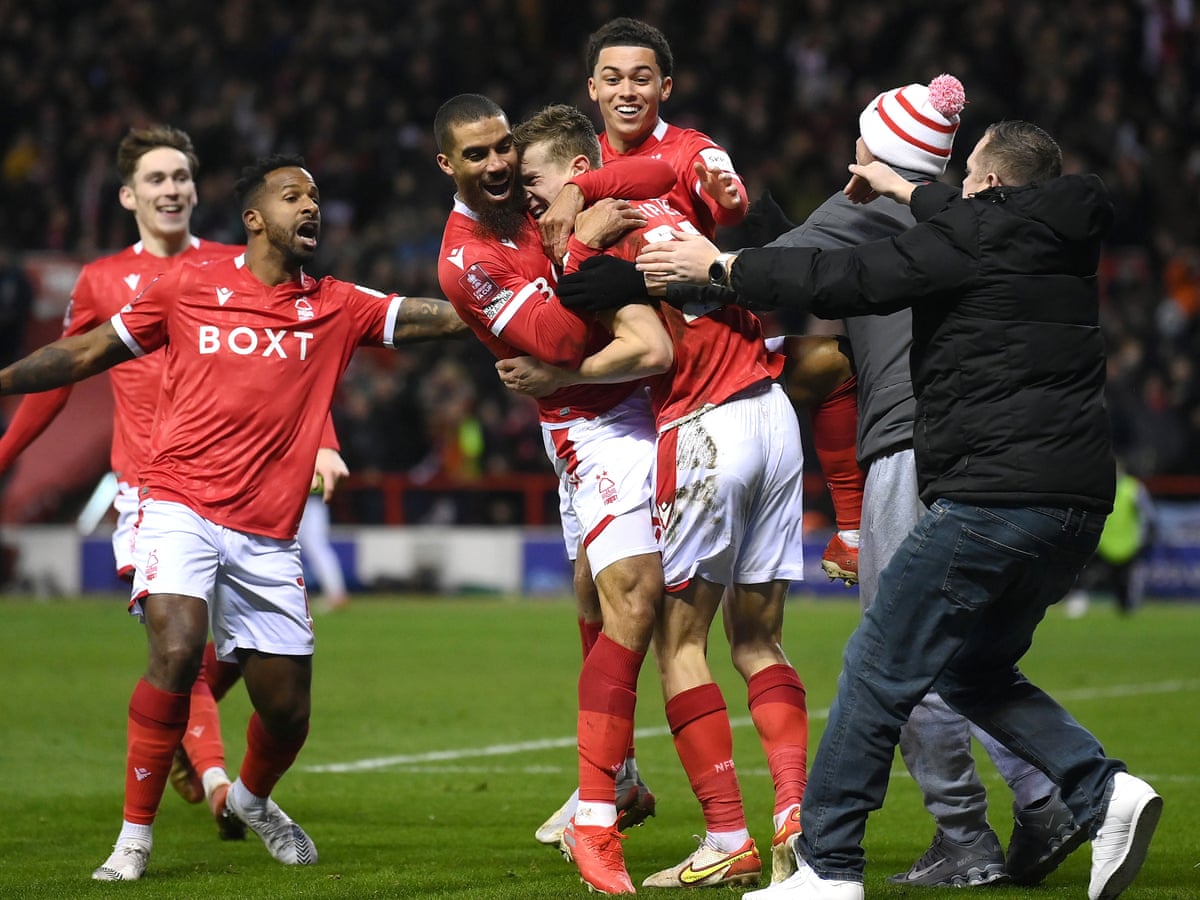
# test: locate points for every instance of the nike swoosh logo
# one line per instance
(921, 873)
(692, 876)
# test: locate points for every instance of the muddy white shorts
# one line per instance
(729, 492)
(254, 585)
(604, 468)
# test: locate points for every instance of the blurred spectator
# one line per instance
(16, 303)
(1129, 533)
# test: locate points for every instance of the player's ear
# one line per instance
(592, 95)
(253, 221)
(664, 93)
(126, 198)
(443, 162)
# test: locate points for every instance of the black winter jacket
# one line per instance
(1007, 360)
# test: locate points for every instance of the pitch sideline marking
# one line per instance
(384, 762)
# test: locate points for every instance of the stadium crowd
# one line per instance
(354, 88)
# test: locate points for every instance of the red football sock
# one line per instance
(780, 713)
(221, 676)
(607, 700)
(157, 720)
(703, 739)
(835, 426)
(589, 632)
(202, 740)
(267, 757)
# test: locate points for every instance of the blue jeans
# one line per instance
(956, 609)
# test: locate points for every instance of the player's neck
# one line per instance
(163, 244)
(623, 145)
(270, 267)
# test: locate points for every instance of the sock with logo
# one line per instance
(607, 700)
(267, 757)
(202, 740)
(780, 713)
(699, 723)
(835, 427)
(157, 720)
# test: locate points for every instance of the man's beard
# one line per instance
(284, 241)
(503, 221)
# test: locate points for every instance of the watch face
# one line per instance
(716, 272)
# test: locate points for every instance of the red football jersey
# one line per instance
(719, 350)
(683, 148)
(504, 290)
(250, 373)
(103, 287)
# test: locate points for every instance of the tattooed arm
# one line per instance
(66, 361)
(426, 318)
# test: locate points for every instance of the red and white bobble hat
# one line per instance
(913, 127)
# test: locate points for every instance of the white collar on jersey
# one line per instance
(192, 239)
(462, 208)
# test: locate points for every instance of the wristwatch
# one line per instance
(718, 272)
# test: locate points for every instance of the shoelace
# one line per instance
(605, 845)
(933, 855)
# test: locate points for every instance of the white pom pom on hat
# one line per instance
(913, 127)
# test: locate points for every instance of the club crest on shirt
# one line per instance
(132, 280)
(304, 309)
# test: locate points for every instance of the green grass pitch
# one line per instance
(442, 737)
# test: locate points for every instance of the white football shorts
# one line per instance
(126, 505)
(254, 585)
(729, 492)
(604, 468)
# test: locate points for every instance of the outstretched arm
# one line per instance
(33, 416)
(426, 319)
(65, 361)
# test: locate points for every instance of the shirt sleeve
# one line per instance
(633, 178)
(142, 323)
(872, 279)
(716, 157)
(524, 314)
(33, 416)
(329, 438)
(81, 316)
